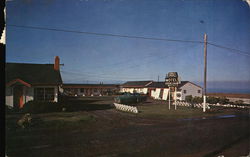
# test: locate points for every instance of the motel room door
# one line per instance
(18, 96)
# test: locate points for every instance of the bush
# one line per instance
(239, 102)
(197, 100)
(41, 107)
(188, 98)
(223, 100)
(25, 121)
(212, 100)
(8, 109)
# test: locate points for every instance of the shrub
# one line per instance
(8, 109)
(41, 107)
(213, 100)
(239, 102)
(197, 100)
(188, 98)
(25, 121)
(223, 100)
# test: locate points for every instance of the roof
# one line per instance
(136, 83)
(33, 74)
(162, 84)
(182, 83)
(185, 82)
(74, 85)
(157, 85)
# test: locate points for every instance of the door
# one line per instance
(18, 96)
(161, 93)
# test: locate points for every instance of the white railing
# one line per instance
(200, 105)
(229, 105)
(126, 108)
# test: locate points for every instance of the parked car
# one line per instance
(128, 98)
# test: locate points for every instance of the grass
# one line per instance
(104, 131)
(45, 129)
(63, 122)
(162, 111)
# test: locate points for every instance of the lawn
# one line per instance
(104, 131)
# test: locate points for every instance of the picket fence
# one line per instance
(126, 108)
(200, 105)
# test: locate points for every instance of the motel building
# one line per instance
(90, 89)
(160, 91)
(135, 87)
(26, 82)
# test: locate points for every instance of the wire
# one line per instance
(129, 36)
(99, 76)
(104, 34)
(231, 49)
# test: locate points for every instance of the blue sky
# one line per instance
(90, 58)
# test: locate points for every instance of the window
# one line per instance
(199, 91)
(178, 95)
(184, 91)
(44, 94)
(82, 90)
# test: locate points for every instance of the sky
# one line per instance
(93, 59)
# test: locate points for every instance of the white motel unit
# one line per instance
(160, 91)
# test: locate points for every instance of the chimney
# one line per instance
(57, 63)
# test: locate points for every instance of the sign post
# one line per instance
(172, 80)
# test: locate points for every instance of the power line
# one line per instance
(231, 49)
(129, 36)
(100, 75)
(104, 34)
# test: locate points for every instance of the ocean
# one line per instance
(235, 91)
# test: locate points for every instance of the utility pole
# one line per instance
(175, 89)
(158, 78)
(205, 72)
(169, 99)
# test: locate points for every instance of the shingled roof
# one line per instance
(33, 74)
(78, 85)
(152, 84)
(162, 84)
(184, 82)
(157, 85)
(136, 83)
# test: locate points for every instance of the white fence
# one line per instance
(207, 105)
(126, 108)
(229, 105)
(189, 104)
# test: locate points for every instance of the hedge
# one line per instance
(210, 100)
(41, 107)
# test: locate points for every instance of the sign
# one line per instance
(171, 79)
